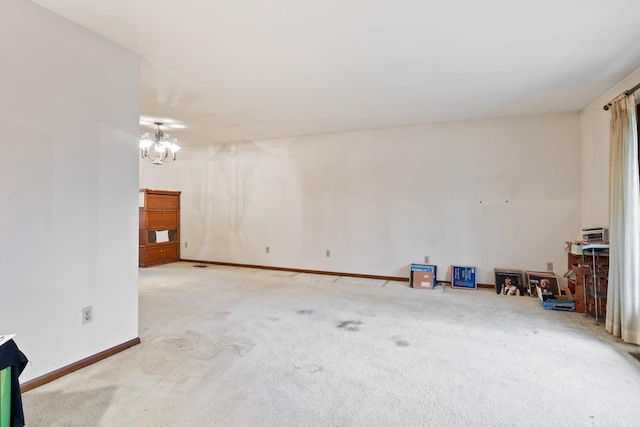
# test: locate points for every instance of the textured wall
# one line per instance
(494, 193)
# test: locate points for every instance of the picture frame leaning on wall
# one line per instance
(546, 281)
(463, 277)
(509, 281)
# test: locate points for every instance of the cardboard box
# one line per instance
(557, 302)
(423, 276)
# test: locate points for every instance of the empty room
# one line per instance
(319, 213)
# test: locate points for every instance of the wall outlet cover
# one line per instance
(87, 315)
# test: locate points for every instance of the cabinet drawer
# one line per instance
(163, 219)
(162, 253)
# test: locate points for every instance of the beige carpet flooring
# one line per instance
(226, 346)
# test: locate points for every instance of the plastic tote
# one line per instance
(5, 397)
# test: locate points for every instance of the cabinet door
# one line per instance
(162, 202)
(163, 219)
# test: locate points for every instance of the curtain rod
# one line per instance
(625, 93)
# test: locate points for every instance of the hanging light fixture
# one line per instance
(161, 149)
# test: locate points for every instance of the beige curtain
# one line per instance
(623, 295)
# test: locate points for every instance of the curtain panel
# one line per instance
(623, 292)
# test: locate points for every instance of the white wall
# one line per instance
(595, 155)
(68, 188)
(382, 199)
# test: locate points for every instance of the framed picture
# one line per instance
(543, 285)
(463, 277)
(423, 276)
(509, 282)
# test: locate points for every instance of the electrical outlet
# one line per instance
(426, 259)
(328, 253)
(87, 315)
(267, 249)
(549, 266)
(186, 244)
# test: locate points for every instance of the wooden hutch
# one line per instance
(159, 227)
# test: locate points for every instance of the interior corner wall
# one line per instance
(493, 193)
(69, 113)
(595, 155)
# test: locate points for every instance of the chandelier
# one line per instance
(161, 149)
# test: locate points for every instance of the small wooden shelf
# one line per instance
(159, 227)
(590, 299)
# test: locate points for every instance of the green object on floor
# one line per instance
(5, 397)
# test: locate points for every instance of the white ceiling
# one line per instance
(238, 70)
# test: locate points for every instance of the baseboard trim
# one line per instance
(299, 270)
(328, 273)
(51, 376)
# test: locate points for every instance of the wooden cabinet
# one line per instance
(589, 298)
(583, 275)
(159, 227)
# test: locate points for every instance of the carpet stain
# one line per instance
(242, 348)
(310, 369)
(171, 340)
(273, 319)
(364, 313)
(400, 342)
(305, 311)
(188, 345)
(350, 325)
